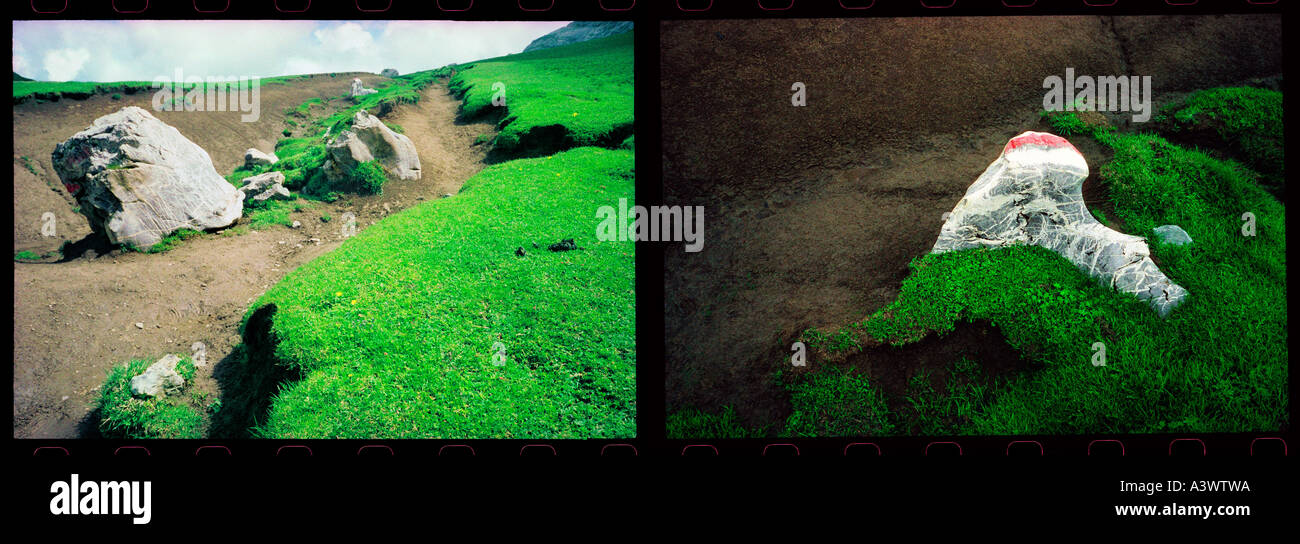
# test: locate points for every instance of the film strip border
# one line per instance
(352, 9)
(1232, 445)
(602, 9)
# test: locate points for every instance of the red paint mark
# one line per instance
(1039, 138)
(72, 188)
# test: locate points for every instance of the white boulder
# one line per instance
(138, 179)
(1032, 194)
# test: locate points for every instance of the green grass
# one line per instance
(1065, 123)
(570, 96)
(168, 243)
(29, 165)
(1100, 216)
(301, 158)
(692, 423)
(304, 109)
(369, 178)
(1244, 121)
(270, 213)
(125, 416)
(836, 403)
(1218, 363)
(947, 411)
(393, 331)
(26, 255)
(23, 89)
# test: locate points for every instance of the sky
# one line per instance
(145, 50)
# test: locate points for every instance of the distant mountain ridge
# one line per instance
(579, 31)
(20, 78)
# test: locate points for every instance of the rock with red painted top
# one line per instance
(137, 179)
(1033, 195)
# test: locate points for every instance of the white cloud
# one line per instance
(299, 65)
(64, 64)
(345, 38)
(20, 63)
(143, 50)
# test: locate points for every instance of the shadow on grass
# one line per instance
(249, 377)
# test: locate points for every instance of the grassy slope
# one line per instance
(1246, 119)
(300, 157)
(585, 89)
(1217, 364)
(394, 331)
(395, 328)
(23, 89)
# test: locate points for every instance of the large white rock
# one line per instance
(370, 139)
(159, 379)
(359, 89)
(1032, 194)
(138, 179)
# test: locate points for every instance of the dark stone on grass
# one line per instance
(566, 244)
(519, 252)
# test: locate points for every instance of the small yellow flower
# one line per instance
(354, 302)
(575, 114)
(338, 293)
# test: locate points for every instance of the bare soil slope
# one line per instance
(74, 320)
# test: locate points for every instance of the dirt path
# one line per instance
(75, 320)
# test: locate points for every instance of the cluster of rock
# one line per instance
(159, 380)
(389, 72)
(1032, 194)
(137, 179)
(358, 89)
(370, 139)
(264, 186)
